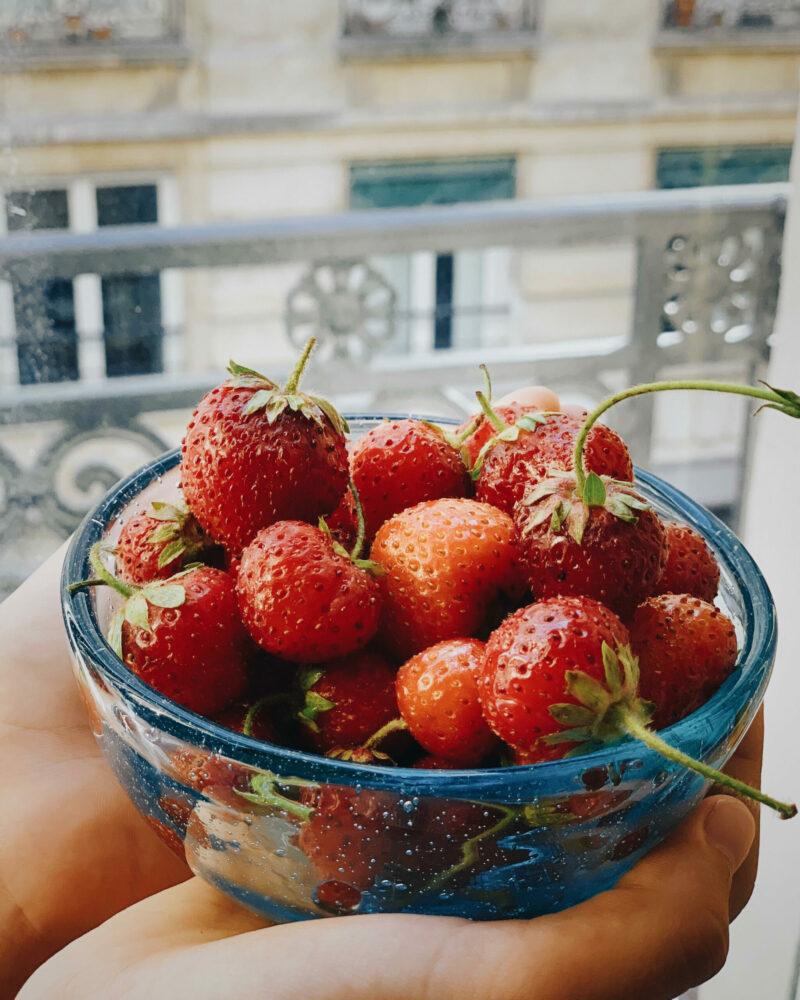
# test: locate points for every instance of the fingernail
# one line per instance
(730, 828)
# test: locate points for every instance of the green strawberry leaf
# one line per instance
(611, 667)
(115, 632)
(171, 551)
(136, 612)
(163, 533)
(567, 714)
(594, 492)
(165, 595)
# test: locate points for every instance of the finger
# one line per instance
(746, 766)
(537, 397)
(662, 930)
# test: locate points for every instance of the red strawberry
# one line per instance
(155, 546)
(250, 719)
(254, 454)
(401, 463)
(347, 700)
(184, 637)
(449, 565)
(602, 550)
(303, 600)
(437, 691)
(686, 649)
(509, 413)
(690, 568)
(511, 466)
(527, 658)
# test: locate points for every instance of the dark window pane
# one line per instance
(29, 210)
(432, 182)
(443, 321)
(128, 205)
(47, 342)
(132, 320)
(677, 168)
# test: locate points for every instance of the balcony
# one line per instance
(672, 281)
(700, 24)
(411, 28)
(53, 34)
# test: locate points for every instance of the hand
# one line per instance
(663, 929)
(73, 849)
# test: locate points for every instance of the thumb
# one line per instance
(664, 927)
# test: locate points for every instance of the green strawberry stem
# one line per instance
(252, 712)
(393, 726)
(777, 399)
(361, 528)
(632, 724)
(498, 424)
(105, 575)
(469, 849)
(297, 371)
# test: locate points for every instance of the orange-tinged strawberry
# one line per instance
(452, 565)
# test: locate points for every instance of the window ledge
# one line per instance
(702, 40)
(387, 48)
(30, 58)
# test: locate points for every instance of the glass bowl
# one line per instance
(335, 837)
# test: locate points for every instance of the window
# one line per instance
(443, 299)
(64, 330)
(44, 308)
(678, 168)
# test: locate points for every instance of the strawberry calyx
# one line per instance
(595, 721)
(274, 400)
(505, 432)
(558, 500)
(136, 609)
(311, 703)
(392, 726)
(370, 565)
(179, 533)
(607, 713)
(361, 755)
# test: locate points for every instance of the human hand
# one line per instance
(73, 849)
(663, 929)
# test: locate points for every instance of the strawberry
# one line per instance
(437, 692)
(690, 568)
(594, 546)
(509, 414)
(511, 466)
(526, 660)
(347, 699)
(182, 636)
(450, 564)
(157, 545)
(686, 649)
(250, 719)
(254, 454)
(303, 598)
(401, 463)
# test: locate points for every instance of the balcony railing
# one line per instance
(44, 32)
(384, 25)
(734, 22)
(704, 280)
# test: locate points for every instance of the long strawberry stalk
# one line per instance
(775, 399)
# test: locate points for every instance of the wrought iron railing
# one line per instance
(40, 27)
(420, 20)
(706, 280)
(729, 18)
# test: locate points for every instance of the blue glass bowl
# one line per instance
(338, 837)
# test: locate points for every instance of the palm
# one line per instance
(59, 802)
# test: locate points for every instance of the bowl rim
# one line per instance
(737, 699)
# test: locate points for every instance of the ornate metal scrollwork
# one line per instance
(347, 305)
(79, 466)
(415, 18)
(713, 290)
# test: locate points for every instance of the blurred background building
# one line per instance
(577, 192)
